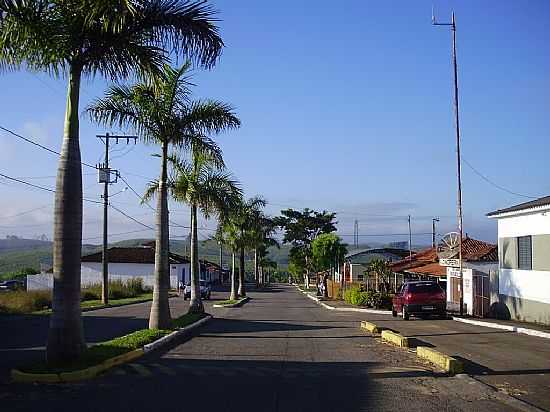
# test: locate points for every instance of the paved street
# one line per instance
(515, 363)
(279, 352)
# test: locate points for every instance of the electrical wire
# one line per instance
(485, 178)
(26, 139)
(42, 187)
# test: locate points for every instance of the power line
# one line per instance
(26, 139)
(493, 183)
(118, 234)
(26, 212)
(47, 189)
(130, 217)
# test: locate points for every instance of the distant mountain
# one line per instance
(16, 253)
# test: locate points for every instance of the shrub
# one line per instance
(355, 296)
(117, 289)
(25, 302)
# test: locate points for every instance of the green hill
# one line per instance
(17, 254)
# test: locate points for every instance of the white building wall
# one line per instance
(525, 284)
(91, 272)
(524, 225)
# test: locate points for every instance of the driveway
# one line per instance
(279, 352)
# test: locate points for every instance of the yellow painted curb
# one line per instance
(24, 377)
(74, 376)
(371, 327)
(445, 362)
(395, 338)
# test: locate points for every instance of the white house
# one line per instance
(124, 263)
(524, 260)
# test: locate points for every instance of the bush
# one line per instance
(355, 296)
(380, 300)
(117, 289)
(25, 302)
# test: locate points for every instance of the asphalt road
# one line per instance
(279, 352)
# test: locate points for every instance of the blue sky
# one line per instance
(344, 107)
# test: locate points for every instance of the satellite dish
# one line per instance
(449, 245)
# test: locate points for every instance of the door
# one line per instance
(481, 292)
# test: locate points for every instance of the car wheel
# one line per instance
(405, 314)
(393, 312)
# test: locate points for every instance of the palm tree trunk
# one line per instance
(256, 272)
(195, 305)
(66, 335)
(242, 291)
(159, 317)
(233, 295)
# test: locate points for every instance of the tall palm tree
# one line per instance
(160, 110)
(205, 186)
(243, 219)
(231, 235)
(78, 38)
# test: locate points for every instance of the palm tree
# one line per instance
(73, 39)
(231, 237)
(204, 185)
(261, 230)
(160, 110)
(243, 219)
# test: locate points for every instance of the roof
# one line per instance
(534, 204)
(426, 261)
(138, 254)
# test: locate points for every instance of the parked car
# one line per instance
(12, 285)
(204, 289)
(421, 299)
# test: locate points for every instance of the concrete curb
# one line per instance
(371, 327)
(233, 305)
(78, 375)
(180, 332)
(93, 371)
(445, 362)
(360, 310)
(395, 338)
(510, 328)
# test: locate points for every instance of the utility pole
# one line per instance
(356, 234)
(452, 24)
(410, 238)
(105, 178)
(435, 219)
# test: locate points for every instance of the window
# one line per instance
(525, 259)
(360, 277)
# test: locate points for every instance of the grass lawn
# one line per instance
(99, 353)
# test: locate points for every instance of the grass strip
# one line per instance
(100, 352)
(227, 302)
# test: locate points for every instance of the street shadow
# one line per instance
(223, 385)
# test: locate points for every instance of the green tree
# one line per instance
(381, 269)
(78, 38)
(326, 249)
(205, 186)
(160, 110)
(300, 230)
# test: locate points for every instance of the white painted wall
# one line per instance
(467, 280)
(523, 225)
(525, 284)
(91, 272)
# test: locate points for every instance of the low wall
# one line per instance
(44, 281)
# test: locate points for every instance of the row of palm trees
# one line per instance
(120, 40)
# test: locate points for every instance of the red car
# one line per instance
(419, 299)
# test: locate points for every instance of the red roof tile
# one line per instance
(426, 261)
